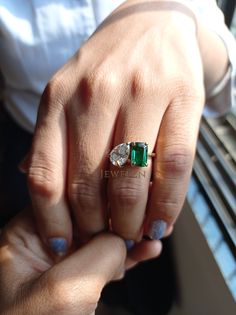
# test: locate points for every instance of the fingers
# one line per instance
(22, 260)
(75, 284)
(91, 128)
(175, 151)
(128, 194)
(47, 172)
(72, 286)
(143, 251)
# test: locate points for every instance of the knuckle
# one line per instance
(127, 194)
(42, 180)
(107, 81)
(53, 93)
(176, 161)
(101, 82)
(140, 85)
(83, 193)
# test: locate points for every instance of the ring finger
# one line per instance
(128, 187)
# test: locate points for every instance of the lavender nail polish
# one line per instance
(129, 244)
(58, 245)
(157, 229)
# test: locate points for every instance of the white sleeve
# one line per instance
(224, 93)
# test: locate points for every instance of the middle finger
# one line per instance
(92, 121)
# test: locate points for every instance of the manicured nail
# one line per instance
(129, 244)
(157, 229)
(23, 165)
(58, 245)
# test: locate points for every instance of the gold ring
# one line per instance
(134, 152)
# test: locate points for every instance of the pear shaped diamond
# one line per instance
(120, 154)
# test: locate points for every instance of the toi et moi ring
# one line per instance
(134, 152)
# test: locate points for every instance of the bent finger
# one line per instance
(128, 193)
(172, 168)
(75, 284)
(92, 120)
(47, 173)
(143, 251)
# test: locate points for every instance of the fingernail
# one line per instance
(129, 244)
(23, 165)
(58, 245)
(157, 229)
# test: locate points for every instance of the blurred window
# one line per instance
(212, 189)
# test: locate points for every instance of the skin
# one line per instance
(142, 76)
(34, 282)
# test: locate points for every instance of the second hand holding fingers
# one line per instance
(34, 283)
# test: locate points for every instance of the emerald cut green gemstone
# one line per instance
(139, 154)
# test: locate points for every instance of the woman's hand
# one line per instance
(31, 282)
(138, 78)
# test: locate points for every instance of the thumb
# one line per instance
(75, 284)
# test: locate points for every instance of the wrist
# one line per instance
(215, 65)
(183, 7)
(214, 57)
